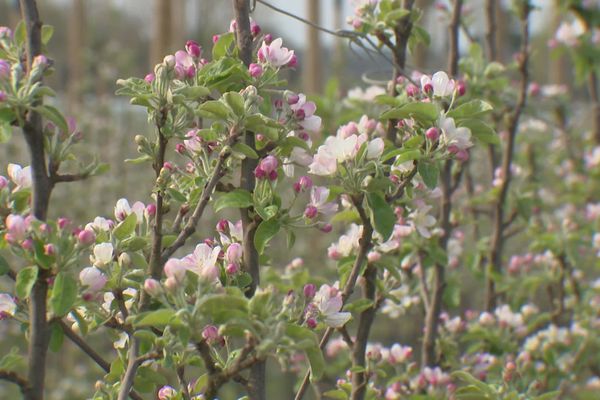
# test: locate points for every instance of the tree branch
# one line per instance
(15, 378)
(365, 243)
(497, 241)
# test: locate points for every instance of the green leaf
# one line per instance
(429, 172)
(223, 44)
(481, 131)
(157, 318)
(236, 102)
(394, 15)
(20, 34)
(337, 394)
(548, 396)
(55, 116)
(470, 379)
(125, 227)
(238, 198)
(215, 110)
(64, 294)
(382, 215)
(314, 354)
(194, 92)
(47, 32)
(57, 337)
(11, 360)
(403, 155)
(7, 115)
(264, 233)
(421, 111)
(4, 267)
(25, 280)
(244, 149)
(473, 108)
(5, 132)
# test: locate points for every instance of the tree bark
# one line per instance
(313, 71)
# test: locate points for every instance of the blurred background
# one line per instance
(97, 42)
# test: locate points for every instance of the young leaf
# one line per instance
(473, 108)
(64, 294)
(421, 111)
(382, 215)
(157, 318)
(126, 227)
(55, 116)
(47, 32)
(481, 131)
(264, 233)
(25, 281)
(429, 172)
(238, 198)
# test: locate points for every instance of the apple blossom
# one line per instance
(16, 227)
(422, 221)
(304, 112)
(8, 307)
(20, 176)
(166, 393)
(152, 287)
(193, 48)
(318, 202)
(103, 254)
(255, 70)
(234, 253)
(203, 261)
(328, 300)
(93, 279)
(455, 139)
(274, 54)
(568, 33)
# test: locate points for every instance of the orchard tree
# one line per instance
(403, 178)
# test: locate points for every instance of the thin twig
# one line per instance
(15, 378)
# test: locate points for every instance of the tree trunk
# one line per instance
(313, 71)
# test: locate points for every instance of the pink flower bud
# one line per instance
(428, 88)
(40, 61)
(300, 114)
(311, 323)
(150, 210)
(327, 228)
(149, 78)
(92, 279)
(215, 38)
(166, 393)
(210, 333)
(260, 137)
(304, 136)
(310, 290)
(2, 96)
(49, 249)
(254, 29)
(232, 269)
(412, 90)
(63, 222)
(292, 99)
(193, 48)
(259, 173)
(311, 212)
(16, 226)
(234, 253)
(293, 62)
(3, 182)
(432, 134)
(169, 61)
(5, 32)
(168, 166)
(374, 256)
(462, 155)
(268, 38)
(86, 237)
(304, 183)
(27, 244)
(269, 164)
(461, 88)
(223, 226)
(255, 70)
(273, 175)
(152, 287)
(171, 284)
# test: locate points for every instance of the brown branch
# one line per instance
(593, 87)
(497, 241)
(15, 378)
(58, 178)
(490, 33)
(257, 381)
(84, 346)
(190, 226)
(365, 321)
(183, 383)
(365, 243)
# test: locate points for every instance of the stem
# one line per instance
(155, 266)
(257, 381)
(15, 378)
(434, 306)
(593, 85)
(490, 33)
(42, 187)
(360, 379)
(497, 241)
(402, 32)
(364, 242)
